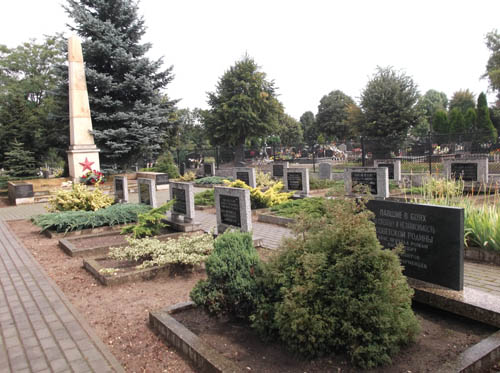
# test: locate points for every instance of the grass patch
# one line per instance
(293, 208)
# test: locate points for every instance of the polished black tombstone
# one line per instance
(278, 170)
(180, 201)
(432, 236)
(161, 179)
(464, 171)
(365, 178)
(119, 189)
(243, 176)
(230, 210)
(144, 193)
(207, 169)
(390, 167)
(294, 180)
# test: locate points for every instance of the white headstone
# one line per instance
(376, 179)
(120, 189)
(393, 165)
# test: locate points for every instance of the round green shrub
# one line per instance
(232, 269)
(334, 288)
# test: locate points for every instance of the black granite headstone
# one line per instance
(390, 167)
(161, 179)
(119, 188)
(278, 170)
(464, 171)
(243, 176)
(365, 178)
(207, 168)
(180, 201)
(230, 210)
(24, 190)
(144, 194)
(294, 180)
(433, 239)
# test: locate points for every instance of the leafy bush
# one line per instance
(206, 198)
(149, 223)
(442, 188)
(264, 180)
(188, 176)
(76, 220)
(333, 287)
(232, 269)
(482, 226)
(79, 198)
(292, 209)
(260, 199)
(149, 252)
(212, 180)
(166, 164)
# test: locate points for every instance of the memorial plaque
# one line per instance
(180, 201)
(230, 210)
(464, 171)
(162, 179)
(243, 176)
(144, 193)
(24, 191)
(207, 168)
(390, 167)
(278, 170)
(294, 180)
(119, 188)
(432, 236)
(365, 178)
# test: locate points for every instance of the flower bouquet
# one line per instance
(93, 177)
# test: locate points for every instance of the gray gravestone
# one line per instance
(325, 171)
(209, 169)
(232, 207)
(245, 174)
(432, 236)
(467, 169)
(184, 201)
(376, 179)
(297, 180)
(147, 191)
(20, 193)
(279, 169)
(120, 184)
(393, 166)
(161, 179)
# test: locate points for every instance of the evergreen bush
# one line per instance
(19, 161)
(334, 288)
(206, 198)
(259, 199)
(149, 223)
(68, 221)
(166, 164)
(79, 198)
(232, 269)
(212, 180)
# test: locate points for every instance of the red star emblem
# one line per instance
(86, 165)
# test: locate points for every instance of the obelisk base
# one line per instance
(78, 156)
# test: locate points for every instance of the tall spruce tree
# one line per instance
(485, 129)
(129, 112)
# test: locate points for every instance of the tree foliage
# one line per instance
(463, 100)
(19, 161)
(388, 104)
(290, 130)
(243, 105)
(431, 102)
(484, 125)
(309, 127)
(333, 114)
(440, 123)
(28, 108)
(493, 65)
(456, 120)
(129, 112)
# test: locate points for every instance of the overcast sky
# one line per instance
(308, 48)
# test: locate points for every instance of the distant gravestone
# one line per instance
(279, 169)
(161, 179)
(297, 180)
(20, 193)
(376, 179)
(342, 147)
(232, 207)
(246, 174)
(147, 191)
(183, 211)
(120, 184)
(393, 166)
(209, 169)
(467, 169)
(433, 239)
(325, 171)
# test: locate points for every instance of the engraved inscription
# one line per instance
(294, 180)
(180, 201)
(464, 171)
(365, 178)
(161, 179)
(278, 170)
(230, 210)
(243, 176)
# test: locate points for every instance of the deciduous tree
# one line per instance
(493, 65)
(332, 117)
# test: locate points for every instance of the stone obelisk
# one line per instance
(83, 155)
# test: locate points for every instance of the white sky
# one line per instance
(308, 47)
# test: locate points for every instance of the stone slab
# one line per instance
(296, 180)
(162, 177)
(325, 171)
(232, 207)
(209, 169)
(393, 165)
(245, 174)
(146, 189)
(183, 210)
(374, 178)
(468, 170)
(120, 189)
(278, 169)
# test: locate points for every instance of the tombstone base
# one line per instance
(23, 201)
(182, 226)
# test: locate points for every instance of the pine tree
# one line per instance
(484, 126)
(129, 112)
(457, 121)
(18, 161)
